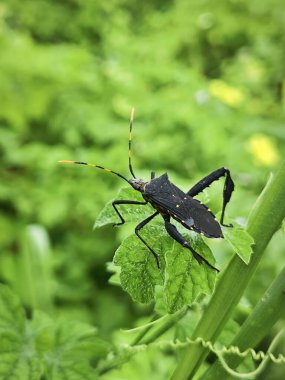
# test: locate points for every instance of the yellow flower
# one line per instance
(263, 149)
(230, 95)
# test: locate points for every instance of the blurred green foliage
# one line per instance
(207, 82)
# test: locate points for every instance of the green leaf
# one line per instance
(180, 275)
(18, 358)
(131, 213)
(71, 349)
(185, 278)
(115, 274)
(240, 241)
(139, 273)
(283, 226)
(67, 348)
(30, 349)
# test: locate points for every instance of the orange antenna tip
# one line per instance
(132, 114)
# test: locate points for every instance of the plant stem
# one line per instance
(144, 331)
(171, 320)
(265, 314)
(265, 218)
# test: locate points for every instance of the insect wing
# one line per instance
(186, 210)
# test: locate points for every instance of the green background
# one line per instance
(207, 82)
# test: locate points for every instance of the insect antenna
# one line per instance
(94, 166)
(109, 170)
(130, 142)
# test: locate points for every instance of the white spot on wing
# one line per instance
(189, 222)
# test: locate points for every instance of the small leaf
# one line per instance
(139, 272)
(115, 274)
(72, 346)
(18, 358)
(131, 213)
(41, 348)
(240, 241)
(185, 278)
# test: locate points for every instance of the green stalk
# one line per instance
(144, 338)
(264, 220)
(144, 331)
(266, 313)
(170, 321)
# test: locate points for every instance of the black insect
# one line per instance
(171, 202)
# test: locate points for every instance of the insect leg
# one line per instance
(175, 234)
(124, 202)
(208, 180)
(139, 227)
(152, 175)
